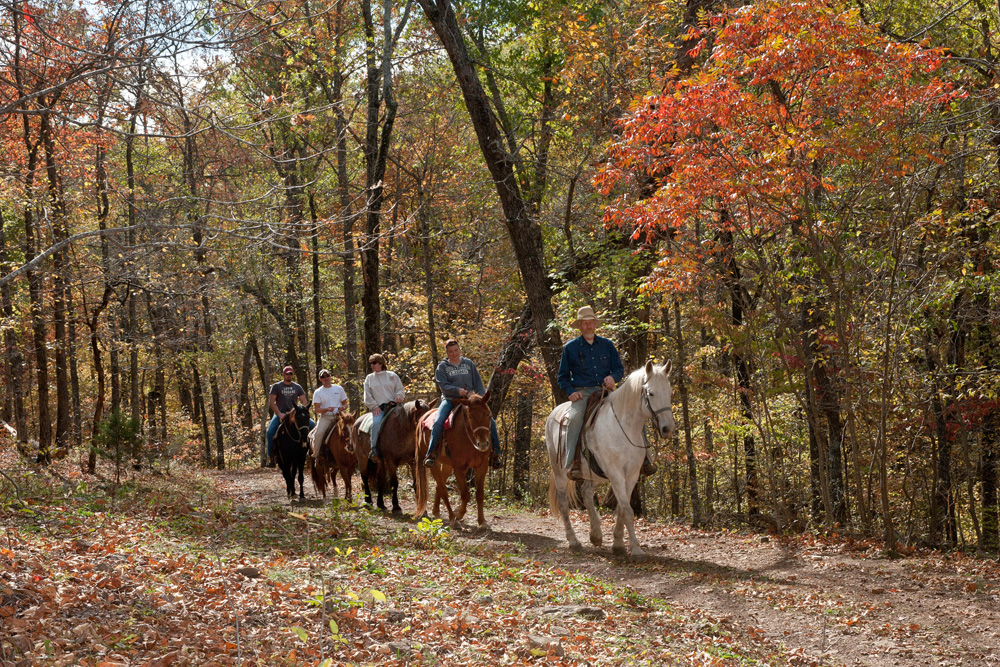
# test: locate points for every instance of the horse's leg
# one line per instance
(347, 474)
(380, 483)
(463, 493)
(481, 493)
(625, 518)
(437, 496)
(289, 475)
(596, 537)
(394, 482)
(559, 483)
(302, 486)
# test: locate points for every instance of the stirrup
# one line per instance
(575, 471)
(429, 461)
(648, 467)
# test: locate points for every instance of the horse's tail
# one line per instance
(572, 494)
(420, 478)
(317, 470)
(553, 503)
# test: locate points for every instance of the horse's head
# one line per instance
(345, 428)
(477, 412)
(657, 392)
(299, 417)
(416, 410)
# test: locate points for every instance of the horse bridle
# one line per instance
(471, 432)
(649, 406)
(297, 428)
(653, 415)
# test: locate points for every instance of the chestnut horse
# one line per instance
(397, 438)
(291, 444)
(466, 445)
(336, 455)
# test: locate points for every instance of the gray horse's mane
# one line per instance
(628, 397)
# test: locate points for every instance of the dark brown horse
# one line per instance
(291, 444)
(466, 445)
(397, 439)
(336, 454)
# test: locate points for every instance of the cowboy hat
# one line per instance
(585, 313)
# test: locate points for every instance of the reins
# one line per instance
(470, 432)
(653, 414)
(298, 428)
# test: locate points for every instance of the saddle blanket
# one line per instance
(365, 423)
(427, 421)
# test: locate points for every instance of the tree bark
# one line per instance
(63, 433)
(696, 518)
(522, 445)
(379, 91)
(524, 232)
(13, 357)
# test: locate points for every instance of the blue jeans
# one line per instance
(444, 409)
(272, 428)
(376, 425)
(577, 410)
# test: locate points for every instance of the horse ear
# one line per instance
(460, 401)
(486, 397)
(649, 368)
(667, 367)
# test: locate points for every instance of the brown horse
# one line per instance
(466, 445)
(336, 455)
(397, 439)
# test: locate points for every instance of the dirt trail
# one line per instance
(818, 601)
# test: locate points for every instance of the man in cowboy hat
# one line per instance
(589, 364)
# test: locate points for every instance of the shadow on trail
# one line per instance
(531, 541)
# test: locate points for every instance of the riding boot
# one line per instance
(575, 471)
(430, 459)
(271, 462)
(495, 462)
(648, 467)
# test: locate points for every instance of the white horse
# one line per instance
(615, 438)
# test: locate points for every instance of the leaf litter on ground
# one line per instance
(173, 570)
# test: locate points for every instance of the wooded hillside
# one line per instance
(794, 202)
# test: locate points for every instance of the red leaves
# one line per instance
(794, 97)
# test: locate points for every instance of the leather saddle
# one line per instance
(594, 402)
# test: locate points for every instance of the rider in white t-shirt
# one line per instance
(328, 400)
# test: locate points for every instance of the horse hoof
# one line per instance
(597, 541)
(576, 547)
(638, 558)
(619, 550)
(484, 527)
(396, 511)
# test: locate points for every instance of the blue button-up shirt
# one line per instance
(586, 364)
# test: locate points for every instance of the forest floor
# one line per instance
(218, 568)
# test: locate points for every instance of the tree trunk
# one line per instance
(522, 445)
(423, 218)
(379, 91)
(246, 376)
(74, 375)
(739, 303)
(696, 518)
(63, 433)
(524, 232)
(317, 311)
(13, 357)
(199, 401)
